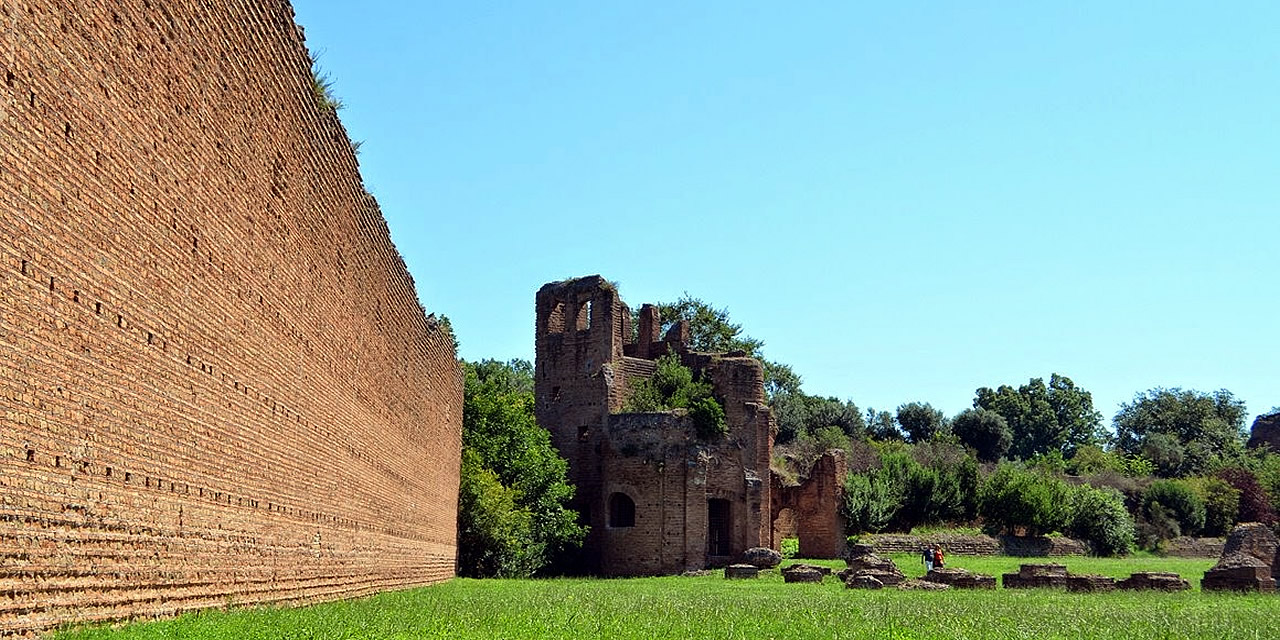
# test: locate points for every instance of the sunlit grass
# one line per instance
(712, 607)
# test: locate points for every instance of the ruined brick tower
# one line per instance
(659, 499)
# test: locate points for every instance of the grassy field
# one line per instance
(711, 607)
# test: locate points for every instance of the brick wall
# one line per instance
(216, 383)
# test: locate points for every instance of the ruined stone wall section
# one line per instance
(216, 382)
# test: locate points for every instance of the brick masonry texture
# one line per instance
(659, 499)
(216, 382)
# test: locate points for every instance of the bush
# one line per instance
(1221, 504)
(708, 418)
(673, 387)
(513, 515)
(1255, 504)
(1013, 498)
(1099, 516)
(870, 502)
(495, 537)
(790, 547)
(1179, 501)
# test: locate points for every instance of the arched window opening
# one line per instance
(622, 511)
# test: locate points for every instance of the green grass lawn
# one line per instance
(711, 607)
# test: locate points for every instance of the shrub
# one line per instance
(673, 387)
(1099, 516)
(1013, 498)
(831, 438)
(1156, 525)
(870, 502)
(1179, 501)
(1255, 504)
(708, 418)
(1221, 504)
(790, 547)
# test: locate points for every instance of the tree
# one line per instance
(709, 328)
(1184, 432)
(881, 425)
(1058, 417)
(800, 414)
(1178, 500)
(921, 421)
(986, 431)
(513, 518)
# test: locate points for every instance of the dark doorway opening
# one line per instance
(718, 527)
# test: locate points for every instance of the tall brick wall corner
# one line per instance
(216, 383)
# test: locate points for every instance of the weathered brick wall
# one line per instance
(215, 380)
(811, 510)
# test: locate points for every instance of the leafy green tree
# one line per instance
(779, 380)
(985, 431)
(799, 414)
(709, 328)
(1184, 432)
(882, 426)
(1057, 417)
(920, 421)
(870, 501)
(513, 518)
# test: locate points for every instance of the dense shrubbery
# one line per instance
(1015, 500)
(1099, 516)
(512, 515)
(1177, 501)
(673, 387)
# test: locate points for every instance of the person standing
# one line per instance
(928, 559)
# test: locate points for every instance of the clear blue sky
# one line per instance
(905, 201)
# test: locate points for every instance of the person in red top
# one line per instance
(937, 558)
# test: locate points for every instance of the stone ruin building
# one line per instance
(657, 498)
(216, 382)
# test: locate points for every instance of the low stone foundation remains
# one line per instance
(1031, 576)
(1154, 581)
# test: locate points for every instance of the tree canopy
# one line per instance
(513, 518)
(920, 421)
(1183, 432)
(1043, 419)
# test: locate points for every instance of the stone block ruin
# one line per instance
(216, 382)
(659, 498)
(1249, 561)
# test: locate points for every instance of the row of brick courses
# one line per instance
(216, 381)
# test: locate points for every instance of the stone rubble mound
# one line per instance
(801, 573)
(762, 557)
(863, 562)
(922, 585)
